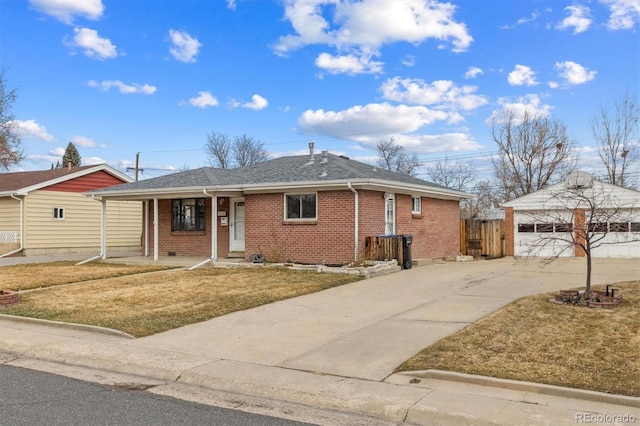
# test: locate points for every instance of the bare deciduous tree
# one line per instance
(583, 213)
(218, 149)
(483, 204)
(532, 153)
(243, 151)
(248, 151)
(452, 174)
(393, 157)
(10, 139)
(616, 135)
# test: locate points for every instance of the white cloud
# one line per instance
(184, 47)
(409, 61)
(361, 123)
(574, 73)
(231, 4)
(522, 75)
(31, 129)
(534, 15)
(361, 28)
(92, 44)
(348, 64)
(257, 103)
(442, 94)
(67, 10)
(85, 142)
(625, 14)
(204, 100)
(473, 72)
(126, 89)
(578, 19)
(529, 103)
(58, 152)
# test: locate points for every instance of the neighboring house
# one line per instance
(542, 223)
(308, 209)
(46, 212)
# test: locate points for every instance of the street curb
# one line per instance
(68, 325)
(516, 385)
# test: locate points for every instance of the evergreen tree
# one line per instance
(71, 155)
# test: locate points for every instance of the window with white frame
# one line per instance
(301, 206)
(416, 205)
(58, 213)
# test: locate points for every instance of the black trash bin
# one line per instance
(406, 251)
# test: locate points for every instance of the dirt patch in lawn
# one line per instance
(40, 275)
(146, 304)
(537, 341)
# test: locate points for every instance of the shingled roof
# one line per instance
(19, 180)
(324, 169)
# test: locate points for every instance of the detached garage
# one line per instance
(578, 214)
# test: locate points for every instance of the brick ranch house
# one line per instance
(308, 209)
(546, 222)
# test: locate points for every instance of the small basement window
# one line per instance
(58, 213)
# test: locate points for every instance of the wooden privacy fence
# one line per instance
(482, 238)
(384, 247)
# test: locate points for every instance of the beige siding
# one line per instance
(80, 227)
(9, 224)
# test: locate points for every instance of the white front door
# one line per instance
(389, 214)
(236, 231)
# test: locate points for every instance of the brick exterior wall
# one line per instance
(509, 237)
(329, 239)
(436, 231)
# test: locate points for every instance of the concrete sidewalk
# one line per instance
(336, 350)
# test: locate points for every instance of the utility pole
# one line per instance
(137, 168)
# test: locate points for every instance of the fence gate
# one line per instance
(482, 238)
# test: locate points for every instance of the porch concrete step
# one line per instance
(236, 254)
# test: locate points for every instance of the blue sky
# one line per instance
(119, 77)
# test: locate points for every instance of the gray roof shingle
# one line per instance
(281, 170)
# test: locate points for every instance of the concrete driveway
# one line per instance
(366, 329)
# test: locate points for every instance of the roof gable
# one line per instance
(23, 182)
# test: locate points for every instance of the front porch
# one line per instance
(178, 261)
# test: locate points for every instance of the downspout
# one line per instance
(21, 226)
(356, 214)
(146, 228)
(214, 231)
(103, 235)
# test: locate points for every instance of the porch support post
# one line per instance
(155, 229)
(356, 223)
(103, 228)
(146, 227)
(214, 227)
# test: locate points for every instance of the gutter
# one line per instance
(356, 223)
(21, 200)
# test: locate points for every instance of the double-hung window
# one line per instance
(58, 213)
(188, 214)
(416, 205)
(301, 206)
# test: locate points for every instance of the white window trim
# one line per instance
(299, 219)
(413, 205)
(57, 211)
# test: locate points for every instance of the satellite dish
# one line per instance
(578, 180)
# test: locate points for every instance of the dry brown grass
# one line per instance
(147, 304)
(535, 340)
(39, 275)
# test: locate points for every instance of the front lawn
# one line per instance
(534, 340)
(150, 303)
